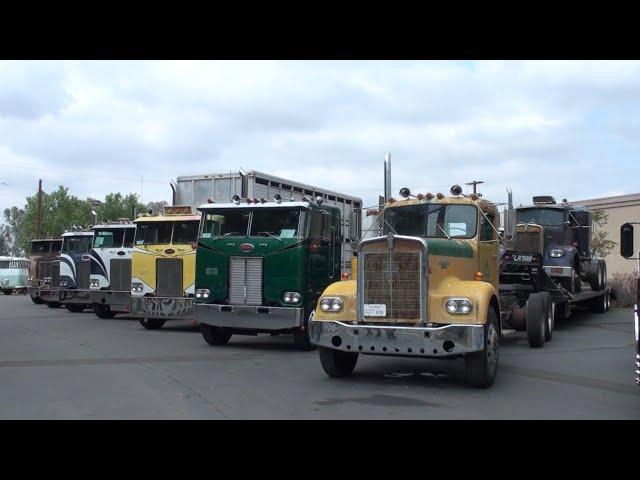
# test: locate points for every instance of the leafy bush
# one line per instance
(625, 287)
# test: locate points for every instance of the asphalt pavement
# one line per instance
(55, 364)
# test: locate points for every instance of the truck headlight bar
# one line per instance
(459, 306)
(136, 287)
(291, 297)
(331, 304)
(94, 283)
(556, 253)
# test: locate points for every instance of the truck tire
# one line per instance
(152, 323)
(36, 300)
(599, 277)
(215, 335)
(336, 363)
(536, 318)
(75, 307)
(103, 311)
(301, 337)
(551, 317)
(599, 304)
(481, 367)
(53, 304)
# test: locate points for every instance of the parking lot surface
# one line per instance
(60, 365)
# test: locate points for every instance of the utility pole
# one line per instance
(474, 183)
(39, 209)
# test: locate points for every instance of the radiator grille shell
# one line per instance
(120, 271)
(83, 273)
(245, 280)
(55, 274)
(169, 277)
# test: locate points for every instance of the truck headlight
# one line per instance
(203, 293)
(556, 253)
(29, 279)
(94, 283)
(291, 297)
(331, 304)
(136, 287)
(63, 283)
(459, 306)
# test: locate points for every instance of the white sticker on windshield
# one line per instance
(287, 233)
(375, 310)
(206, 235)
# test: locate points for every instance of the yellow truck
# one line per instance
(163, 266)
(426, 287)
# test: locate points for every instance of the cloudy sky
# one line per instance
(570, 129)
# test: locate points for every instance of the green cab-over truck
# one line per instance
(262, 263)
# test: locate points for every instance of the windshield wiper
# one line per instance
(442, 230)
(229, 233)
(277, 238)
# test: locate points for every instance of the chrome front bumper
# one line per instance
(442, 341)
(74, 296)
(162, 307)
(566, 272)
(117, 300)
(249, 317)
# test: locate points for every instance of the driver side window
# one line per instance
(486, 228)
(320, 227)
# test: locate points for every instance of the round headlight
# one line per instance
(287, 298)
(452, 306)
(325, 305)
(336, 305)
(465, 306)
(296, 297)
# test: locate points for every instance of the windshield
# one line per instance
(541, 216)
(76, 244)
(225, 223)
(277, 222)
(108, 238)
(14, 264)
(39, 248)
(167, 232)
(433, 220)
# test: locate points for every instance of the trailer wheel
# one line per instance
(301, 337)
(53, 304)
(536, 318)
(481, 367)
(215, 335)
(152, 323)
(599, 304)
(75, 307)
(103, 311)
(336, 363)
(36, 300)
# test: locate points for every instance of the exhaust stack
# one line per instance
(509, 219)
(387, 176)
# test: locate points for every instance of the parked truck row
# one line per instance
(431, 275)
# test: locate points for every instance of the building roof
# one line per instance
(617, 201)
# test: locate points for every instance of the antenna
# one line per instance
(474, 183)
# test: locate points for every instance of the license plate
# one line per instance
(375, 310)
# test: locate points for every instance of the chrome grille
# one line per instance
(395, 279)
(83, 272)
(245, 280)
(43, 269)
(528, 242)
(169, 277)
(55, 274)
(120, 271)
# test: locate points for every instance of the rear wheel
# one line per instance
(75, 307)
(36, 300)
(301, 336)
(481, 367)
(152, 323)
(53, 304)
(537, 314)
(215, 335)
(600, 304)
(336, 363)
(103, 311)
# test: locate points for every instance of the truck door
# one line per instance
(488, 245)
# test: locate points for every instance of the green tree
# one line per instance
(116, 206)
(4, 250)
(156, 207)
(12, 232)
(601, 246)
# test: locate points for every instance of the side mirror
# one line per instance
(626, 240)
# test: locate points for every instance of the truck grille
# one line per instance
(169, 277)
(55, 274)
(83, 272)
(393, 278)
(528, 242)
(245, 280)
(43, 269)
(120, 270)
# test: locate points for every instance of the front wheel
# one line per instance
(215, 335)
(336, 363)
(481, 367)
(301, 336)
(152, 323)
(36, 300)
(538, 311)
(103, 311)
